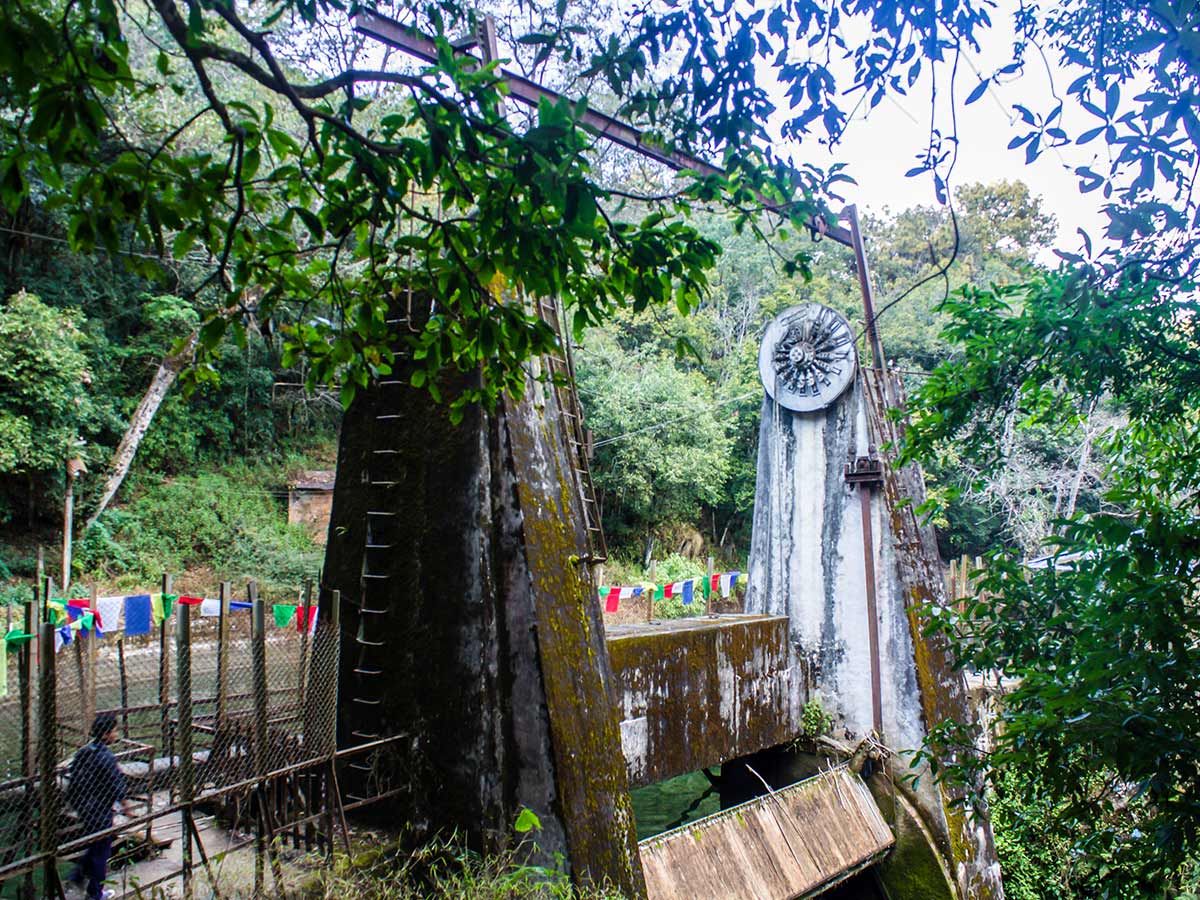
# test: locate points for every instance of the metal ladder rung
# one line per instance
(380, 546)
(382, 513)
(361, 671)
(383, 483)
(386, 452)
(375, 577)
(373, 612)
(365, 702)
(363, 642)
(387, 417)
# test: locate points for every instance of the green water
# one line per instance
(672, 803)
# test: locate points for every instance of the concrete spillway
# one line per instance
(795, 842)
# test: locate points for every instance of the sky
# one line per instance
(882, 144)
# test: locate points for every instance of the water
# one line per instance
(677, 801)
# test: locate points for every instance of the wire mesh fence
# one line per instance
(171, 728)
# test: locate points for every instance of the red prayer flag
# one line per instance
(668, 589)
(614, 600)
(191, 601)
(714, 581)
(80, 603)
(304, 616)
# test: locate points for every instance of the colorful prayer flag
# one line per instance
(56, 611)
(16, 636)
(283, 613)
(728, 580)
(209, 607)
(659, 591)
(687, 591)
(637, 591)
(108, 610)
(306, 617)
(614, 600)
(240, 604)
(668, 590)
(138, 613)
(191, 601)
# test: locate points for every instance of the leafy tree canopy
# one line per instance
(43, 379)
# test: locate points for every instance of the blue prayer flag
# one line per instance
(137, 614)
(240, 604)
(687, 591)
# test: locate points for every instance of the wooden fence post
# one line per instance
(92, 652)
(708, 587)
(306, 600)
(47, 756)
(650, 593)
(187, 771)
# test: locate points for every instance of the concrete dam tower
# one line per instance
(837, 549)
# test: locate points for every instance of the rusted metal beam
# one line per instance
(530, 92)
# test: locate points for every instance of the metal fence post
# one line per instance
(47, 756)
(164, 671)
(28, 763)
(187, 771)
(259, 667)
(223, 656)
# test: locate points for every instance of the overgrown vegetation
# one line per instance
(444, 870)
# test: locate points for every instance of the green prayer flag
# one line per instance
(660, 592)
(16, 636)
(283, 614)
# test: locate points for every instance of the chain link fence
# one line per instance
(169, 743)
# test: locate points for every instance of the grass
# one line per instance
(443, 870)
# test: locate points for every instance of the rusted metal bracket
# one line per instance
(865, 470)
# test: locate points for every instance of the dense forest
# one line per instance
(675, 430)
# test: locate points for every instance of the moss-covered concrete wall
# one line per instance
(472, 631)
(694, 693)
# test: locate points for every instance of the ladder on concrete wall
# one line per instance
(560, 368)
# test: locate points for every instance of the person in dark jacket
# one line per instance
(94, 784)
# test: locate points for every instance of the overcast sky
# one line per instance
(881, 145)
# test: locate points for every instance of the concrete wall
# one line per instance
(807, 563)
(693, 693)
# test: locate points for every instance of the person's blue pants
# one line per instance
(93, 866)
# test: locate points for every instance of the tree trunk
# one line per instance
(168, 370)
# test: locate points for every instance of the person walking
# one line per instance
(94, 785)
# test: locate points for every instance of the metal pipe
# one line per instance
(531, 93)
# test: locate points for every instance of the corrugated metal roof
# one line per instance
(793, 843)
